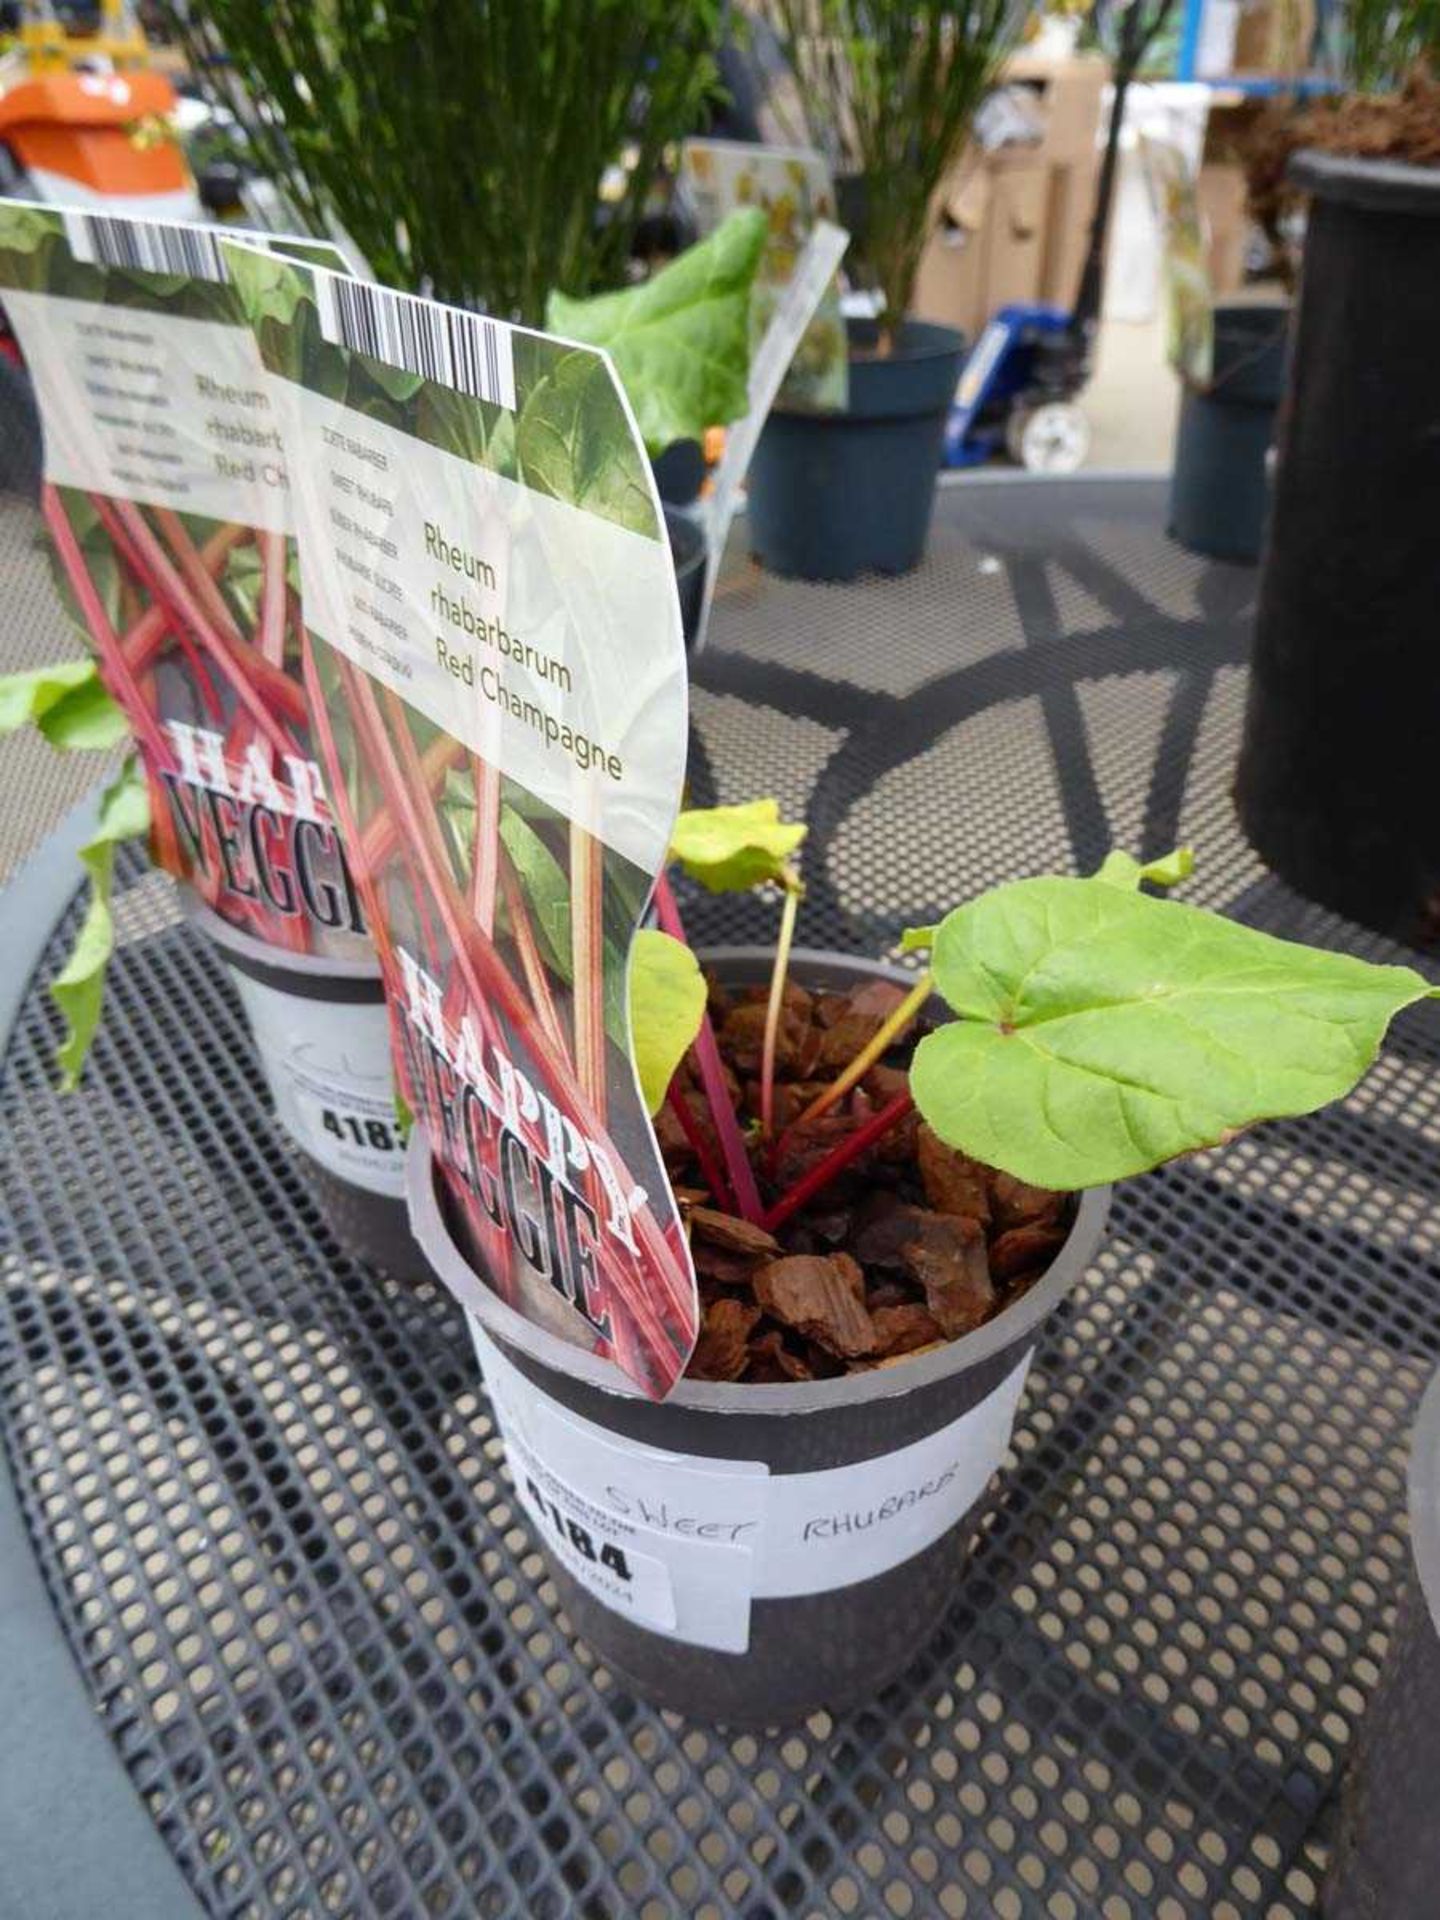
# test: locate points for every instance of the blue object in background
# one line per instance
(1027, 357)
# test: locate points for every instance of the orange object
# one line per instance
(80, 128)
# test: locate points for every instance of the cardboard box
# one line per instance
(1221, 191)
(1275, 36)
(1013, 225)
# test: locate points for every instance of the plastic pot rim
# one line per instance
(1423, 1486)
(249, 953)
(1005, 1331)
(1381, 186)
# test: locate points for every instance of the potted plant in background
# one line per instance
(532, 226)
(1328, 793)
(891, 1181)
(890, 89)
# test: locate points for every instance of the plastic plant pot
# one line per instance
(1333, 786)
(1387, 1855)
(746, 1554)
(322, 1035)
(1220, 492)
(833, 495)
(688, 551)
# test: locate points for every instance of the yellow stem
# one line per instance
(869, 1054)
(776, 1004)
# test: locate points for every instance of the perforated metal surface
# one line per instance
(266, 1495)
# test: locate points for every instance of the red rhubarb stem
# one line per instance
(199, 577)
(107, 641)
(587, 960)
(144, 639)
(531, 961)
(485, 850)
(836, 1161)
(710, 1170)
(712, 1077)
(270, 633)
(243, 665)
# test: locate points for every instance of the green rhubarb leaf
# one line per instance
(79, 989)
(680, 341)
(1120, 869)
(1102, 1032)
(730, 849)
(84, 719)
(667, 1004)
(25, 698)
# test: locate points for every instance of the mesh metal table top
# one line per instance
(267, 1498)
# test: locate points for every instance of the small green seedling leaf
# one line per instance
(1102, 1032)
(730, 849)
(79, 989)
(1123, 870)
(25, 698)
(680, 341)
(917, 939)
(667, 1004)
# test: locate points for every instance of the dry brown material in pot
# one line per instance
(821, 1296)
(912, 1246)
(722, 1351)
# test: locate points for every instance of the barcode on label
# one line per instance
(110, 240)
(460, 350)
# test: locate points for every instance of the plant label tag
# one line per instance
(167, 501)
(793, 188)
(789, 317)
(495, 665)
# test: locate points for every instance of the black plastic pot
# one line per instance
(1220, 492)
(1386, 1863)
(833, 495)
(687, 550)
(839, 1549)
(1334, 786)
(322, 1037)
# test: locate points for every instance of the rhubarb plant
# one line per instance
(1098, 1030)
(680, 340)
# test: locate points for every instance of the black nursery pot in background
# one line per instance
(688, 553)
(1220, 492)
(1335, 786)
(833, 495)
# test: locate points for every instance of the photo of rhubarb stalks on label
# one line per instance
(167, 503)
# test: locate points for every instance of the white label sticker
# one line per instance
(147, 407)
(327, 1064)
(526, 628)
(726, 1532)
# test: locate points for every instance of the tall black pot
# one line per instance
(833, 495)
(1334, 790)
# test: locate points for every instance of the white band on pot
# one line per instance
(327, 1065)
(681, 1544)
